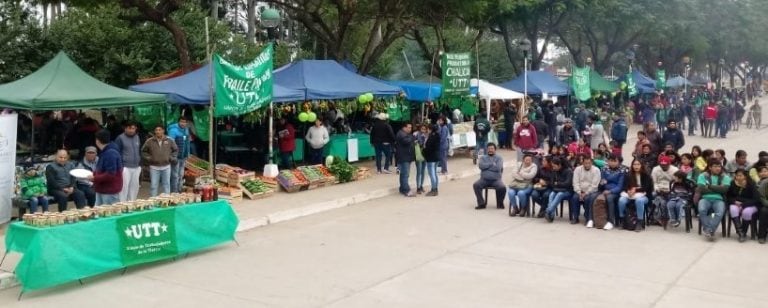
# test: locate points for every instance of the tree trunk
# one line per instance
(511, 50)
(251, 17)
(53, 12)
(180, 42)
(215, 9)
(45, 15)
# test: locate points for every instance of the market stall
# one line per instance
(350, 147)
(61, 248)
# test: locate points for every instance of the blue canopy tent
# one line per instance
(539, 82)
(194, 88)
(645, 85)
(327, 79)
(419, 91)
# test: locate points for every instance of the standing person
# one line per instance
(421, 165)
(598, 133)
(86, 185)
(159, 152)
(541, 132)
(692, 113)
(129, 145)
(619, 131)
(710, 115)
(567, 134)
(317, 137)
(491, 168)
(510, 113)
(744, 199)
(405, 155)
(723, 120)
(108, 176)
(637, 185)
(286, 140)
(61, 185)
(673, 135)
(550, 117)
(432, 157)
(526, 138)
(756, 112)
(586, 180)
(481, 128)
(179, 133)
(713, 185)
(382, 138)
(654, 137)
(445, 144)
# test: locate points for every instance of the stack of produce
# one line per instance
(256, 188)
(292, 180)
(312, 175)
(196, 167)
(231, 175)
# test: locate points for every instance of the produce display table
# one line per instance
(298, 151)
(337, 146)
(230, 138)
(65, 253)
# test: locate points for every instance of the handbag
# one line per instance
(419, 155)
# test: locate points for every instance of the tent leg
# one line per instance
(20, 294)
(125, 269)
(80, 281)
(3, 260)
(236, 242)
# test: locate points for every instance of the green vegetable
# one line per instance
(343, 171)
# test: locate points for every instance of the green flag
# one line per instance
(242, 89)
(661, 79)
(202, 123)
(631, 86)
(456, 73)
(580, 83)
(148, 237)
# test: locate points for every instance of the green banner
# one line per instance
(661, 79)
(149, 116)
(580, 83)
(147, 238)
(202, 123)
(631, 86)
(242, 89)
(456, 73)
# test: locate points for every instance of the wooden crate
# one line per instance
(263, 195)
(191, 160)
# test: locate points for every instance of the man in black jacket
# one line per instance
(673, 135)
(404, 155)
(382, 138)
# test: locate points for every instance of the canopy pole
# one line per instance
(32, 137)
(429, 92)
(487, 101)
(210, 103)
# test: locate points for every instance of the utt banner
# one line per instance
(580, 83)
(242, 89)
(661, 79)
(7, 163)
(147, 238)
(456, 73)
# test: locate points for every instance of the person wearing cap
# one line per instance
(713, 185)
(673, 135)
(89, 162)
(108, 175)
(567, 134)
(662, 176)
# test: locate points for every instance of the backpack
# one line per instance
(600, 211)
(619, 131)
(630, 220)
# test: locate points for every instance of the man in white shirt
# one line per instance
(586, 179)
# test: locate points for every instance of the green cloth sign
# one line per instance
(242, 89)
(202, 123)
(147, 238)
(580, 83)
(456, 73)
(57, 255)
(661, 79)
(631, 86)
(149, 116)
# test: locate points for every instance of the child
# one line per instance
(616, 149)
(680, 192)
(686, 163)
(33, 189)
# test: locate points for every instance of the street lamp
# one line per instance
(722, 64)
(687, 62)
(525, 46)
(270, 19)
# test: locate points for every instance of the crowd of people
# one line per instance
(584, 167)
(115, 168)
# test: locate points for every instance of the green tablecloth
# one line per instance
(337, 146)
(57, 255)
(298, 151)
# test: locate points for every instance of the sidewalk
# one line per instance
(284, 206)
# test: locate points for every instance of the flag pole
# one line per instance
(210, 103)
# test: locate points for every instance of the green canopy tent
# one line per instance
(61, 84)
(598, 83)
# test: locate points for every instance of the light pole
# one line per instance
(720, 83)
(270, 19)
(525, 45)
(687, 62)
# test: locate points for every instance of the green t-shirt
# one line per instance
(706, 179)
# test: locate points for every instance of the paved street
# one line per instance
(440, 252)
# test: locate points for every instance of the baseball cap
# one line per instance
(664, 160)
(90, 149)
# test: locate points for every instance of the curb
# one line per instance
(316, 208)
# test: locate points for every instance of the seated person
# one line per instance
(713, 184)
(84, 185)
(491, 168)
(744, 199)
(586, 179)
(612, 183)
(662, 176)
(61, 185)
(521, 186)
(681, 191)
(33, 189)
(540, 193)
(561, 186)
(637, 184)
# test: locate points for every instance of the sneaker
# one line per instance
(386, 171)
(590, 224)
(480, 207)
(761, 240)
(378, 171)
(608, 226)
(550, 217)
(432, 193)
(574, 221)
(675, 223)
(419, 191)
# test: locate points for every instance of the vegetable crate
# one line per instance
(256, 189)
(232, 176)
(315, 177)
(292, 181)
(231, 194)
(197, 165)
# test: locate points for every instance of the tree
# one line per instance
(23, 45)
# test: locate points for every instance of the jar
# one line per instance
(27, 218)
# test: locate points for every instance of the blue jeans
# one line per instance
(159, 177)
(675, 207)
(574, 206)
(102, 199)
(611, 202)
(432, 171)
(555, 198)
(639, 206)
(708, 222)
(35, 201)
(315, 156)
(286, 159)
(692, 121)
(541, 197)
(421, 166)
(444, 160)
(177, 175)
(521, 194)
(383, 150)
(405, 169)
(724, 126)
